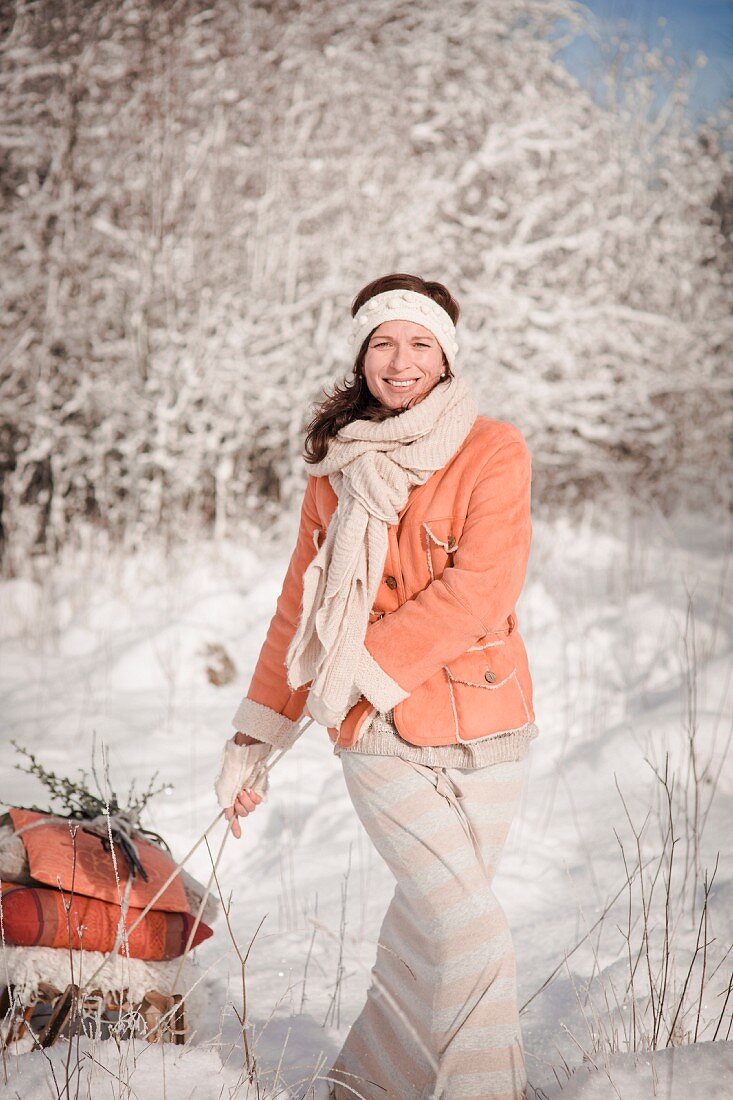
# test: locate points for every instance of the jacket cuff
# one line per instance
(372, 681)
(264, 723)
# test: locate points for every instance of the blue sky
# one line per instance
(691, 25)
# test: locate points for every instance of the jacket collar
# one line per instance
(416, 493)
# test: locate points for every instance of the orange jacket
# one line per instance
(442, 649)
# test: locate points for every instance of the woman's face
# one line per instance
(403, 362)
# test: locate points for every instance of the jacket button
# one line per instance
(490, 676)
(390, 582)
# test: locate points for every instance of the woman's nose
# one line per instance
(401, 357)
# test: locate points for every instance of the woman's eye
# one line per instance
(384, 344)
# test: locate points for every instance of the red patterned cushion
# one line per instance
(36, 916)
(56, 859)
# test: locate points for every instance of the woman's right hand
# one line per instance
(246, 801)
(245, 739)
(242, 782)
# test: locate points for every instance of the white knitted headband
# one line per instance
(405, 305)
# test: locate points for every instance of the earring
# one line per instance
(444, 375)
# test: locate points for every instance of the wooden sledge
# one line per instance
(49, 1012)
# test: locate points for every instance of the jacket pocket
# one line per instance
(472, 698)
(485, 692)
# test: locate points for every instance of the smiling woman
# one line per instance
(396, 630)
(397, 362)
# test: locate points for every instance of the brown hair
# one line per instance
(352, 399)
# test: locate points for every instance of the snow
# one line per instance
(701, 1070)
(190, 1073)
(629, 634)
(178, 295)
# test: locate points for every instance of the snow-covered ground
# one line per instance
(629, 630)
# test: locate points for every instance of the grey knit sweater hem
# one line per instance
(382, 739)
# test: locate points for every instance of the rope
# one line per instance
(276, 756)
(202, 905)
(151, 903)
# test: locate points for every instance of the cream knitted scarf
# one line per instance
(372, 465)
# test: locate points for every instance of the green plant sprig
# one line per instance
(77, 799)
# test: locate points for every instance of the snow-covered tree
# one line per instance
(193, 193)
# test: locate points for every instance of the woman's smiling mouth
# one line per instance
(401, 384)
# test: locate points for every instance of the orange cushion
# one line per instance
(53, 860)
(36, 916)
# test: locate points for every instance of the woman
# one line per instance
(396, 630)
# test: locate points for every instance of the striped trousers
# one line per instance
(441, 1020)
